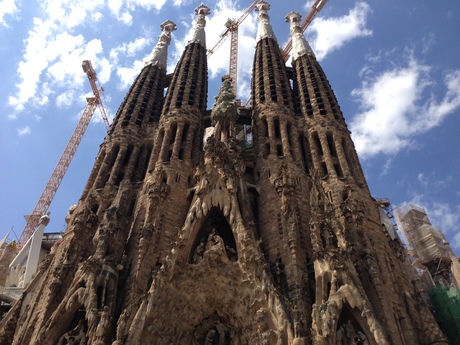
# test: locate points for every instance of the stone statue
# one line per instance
(199, 251)
(211, 337)
(215, 242)
(339, 337)
(75, 336)
(103, 328)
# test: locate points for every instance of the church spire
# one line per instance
(199, 35)
(265, 28)
(160, 52)
(300, 44)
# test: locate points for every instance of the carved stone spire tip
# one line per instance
(202, 10)
(168, 26)
(199, 35)
(160, 52)
(265, 29)
(300, 44)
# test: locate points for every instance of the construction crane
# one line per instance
(315, 9)
(44, 202)
(232, 30)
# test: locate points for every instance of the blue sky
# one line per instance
(393, 65)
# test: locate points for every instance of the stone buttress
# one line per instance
(281, 178)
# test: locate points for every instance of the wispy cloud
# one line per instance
(65, 99)
(146, 4)
(23, 131)
(7, 7)
(332, 33)
(123, 10)
(395, 107)
(53, 52)
(128, 49)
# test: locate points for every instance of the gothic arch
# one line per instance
(352, 328)
(69, 320)
(214, 229)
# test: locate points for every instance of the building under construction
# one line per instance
(271, 238)
(437, 264)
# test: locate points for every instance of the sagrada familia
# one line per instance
(262, 231)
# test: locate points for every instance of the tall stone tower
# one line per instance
(177, 240)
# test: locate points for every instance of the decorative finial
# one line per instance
(160, 52)
(224, 112)
(265, 29)
(300, 44)
(199, 35)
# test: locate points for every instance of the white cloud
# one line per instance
(104, 67)
(52, 53)
(422, 179)
(7, 7)
(126, 18)
(147, 4)
(65, 99)
(69, 14)
(128, 74)
(181, 2)
(332, 33)
(394, 110)
(428, 42)
(115, 6)
(122, 9)
(59, 56)
(444, 216)
(129, 49)
(23, 131)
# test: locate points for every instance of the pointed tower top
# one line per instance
(265, 28)
(300, 44)
(199, 35)
(160, 52)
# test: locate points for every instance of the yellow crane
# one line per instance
(232, 31)
(55, 180)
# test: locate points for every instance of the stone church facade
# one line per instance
(273, 239)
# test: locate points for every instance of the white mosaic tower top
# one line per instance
(300, 44)
(265, 29)
(160, 52)
(199, 35)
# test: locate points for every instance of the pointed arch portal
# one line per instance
(215, 230)
(350, 332)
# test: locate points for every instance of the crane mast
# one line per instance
(232, 30)
(59, 171)
(98, 95)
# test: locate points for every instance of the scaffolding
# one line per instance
(431, 254)
(423, 241)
